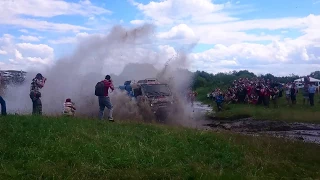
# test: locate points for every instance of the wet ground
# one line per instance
(306, 132)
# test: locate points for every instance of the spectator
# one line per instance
(2, 101)
(3, 106)
(69, 108)
(219, 101)
(260, 92)
(293, 94)
(311, 90)
(104, 100)
(274, 96)
(254, 91)
(288, 96)
(242, 94)
(306, 94)
(267, 94)
(35, 94)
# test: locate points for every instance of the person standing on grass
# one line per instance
(219, 101)
(260, 93)
(293, 93)
(306, 94)
(3, 106)
(2, 101)
(312, 91)
(274, 96)
(102, 91)
(35, 94)
(288, 96)
(267, 94)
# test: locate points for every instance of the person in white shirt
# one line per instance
(287, 91)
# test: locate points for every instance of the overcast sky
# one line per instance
(263, 36)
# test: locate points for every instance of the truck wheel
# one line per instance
(145, 111)
(161, 116)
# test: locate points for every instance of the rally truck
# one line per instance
(153, 98)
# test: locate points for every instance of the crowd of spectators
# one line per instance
(261, 91)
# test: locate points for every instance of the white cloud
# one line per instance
(237, 43)
(181, 31)
(3, 52)
(137, 22)
(170, 11)
(28, 55)
(39, 50)
(316, 1)
(235, 32)
(41, 25)
(13, 12)
(168, 51)
(29, 38)
(25, 55)
(39, 8)
(249, 55)
(23, 30)
(70, 40)
(214, 24)
(18, 55)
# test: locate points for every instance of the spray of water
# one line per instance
(75, 76)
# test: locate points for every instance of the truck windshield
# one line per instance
(156, 89)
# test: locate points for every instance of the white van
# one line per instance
(299, 85)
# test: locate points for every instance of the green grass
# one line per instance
(66, 148)
(296, 113)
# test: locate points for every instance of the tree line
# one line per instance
(206, 80)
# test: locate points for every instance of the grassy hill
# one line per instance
(66, 148)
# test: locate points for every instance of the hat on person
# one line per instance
(39, 75)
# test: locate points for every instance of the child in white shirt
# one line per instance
(69, 108)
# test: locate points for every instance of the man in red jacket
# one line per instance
(104, 101)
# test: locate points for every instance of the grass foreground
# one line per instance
(67, 148)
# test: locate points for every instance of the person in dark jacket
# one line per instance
(104, 101)
(3, 106)
(2, 101)
(219, 101)
(293, 94)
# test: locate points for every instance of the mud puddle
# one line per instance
(197, 116)
(306, 132)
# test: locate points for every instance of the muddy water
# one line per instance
(296, 131)
(197, 116)
(306, 132)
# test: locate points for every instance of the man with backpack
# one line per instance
(102, 91)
